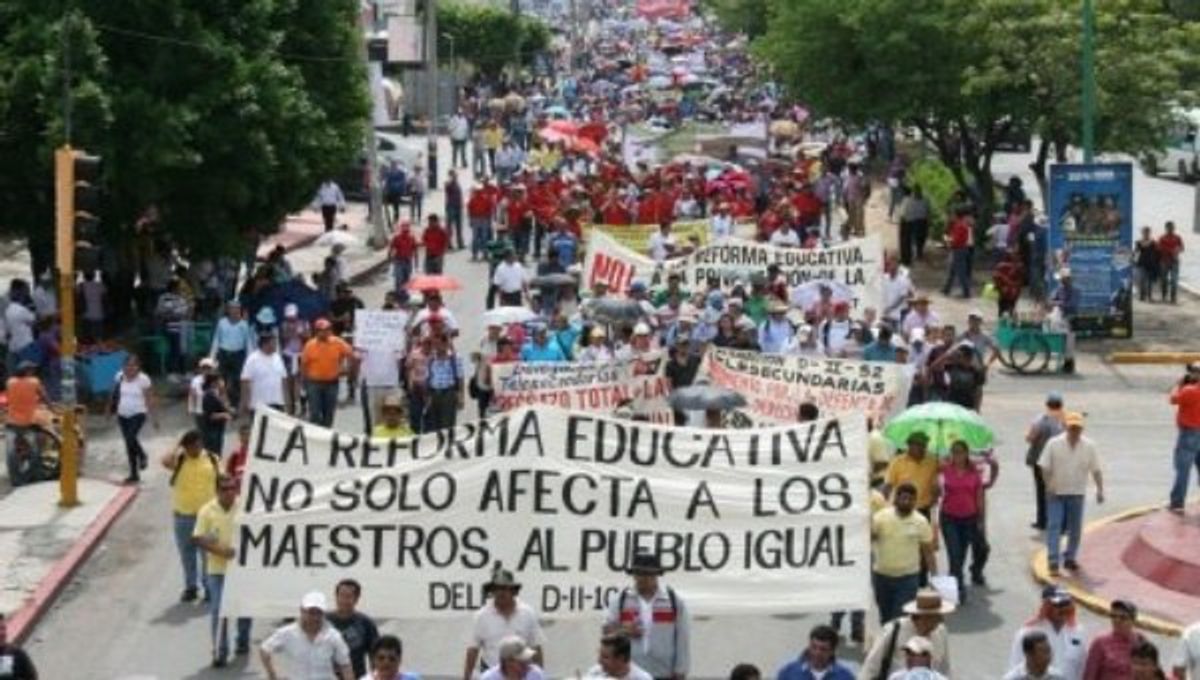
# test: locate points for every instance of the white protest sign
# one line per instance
(380, 330)
(775, 384)
(745, 522)
(594, 387)
(857, 264)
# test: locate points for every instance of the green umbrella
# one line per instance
(943, 422)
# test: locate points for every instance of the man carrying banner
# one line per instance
(655, 618)
(214, 535)
(503, 617)
(310, 647)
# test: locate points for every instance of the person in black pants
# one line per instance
(1047, 426)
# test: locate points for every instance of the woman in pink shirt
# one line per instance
(962, 508)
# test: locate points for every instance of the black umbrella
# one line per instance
(705, 398)
(553, 280)
(614, 310)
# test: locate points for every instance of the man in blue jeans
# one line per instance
(902, 542)
(1186, 398)
(1066, 462)
(214, 535)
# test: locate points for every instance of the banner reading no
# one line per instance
(746, 522)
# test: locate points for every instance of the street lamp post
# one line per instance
(453, 73)
(431, 63)
(1089, 81)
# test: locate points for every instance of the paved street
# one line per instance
(122, 614)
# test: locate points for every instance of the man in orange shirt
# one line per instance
(25, 394)
(1186, 398)
(324, 359)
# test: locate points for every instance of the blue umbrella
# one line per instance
(310, 303)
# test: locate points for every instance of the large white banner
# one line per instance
(768, 521)
(857, 264)
(776, 384)
(596, 387)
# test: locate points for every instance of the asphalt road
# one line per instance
(121, 618)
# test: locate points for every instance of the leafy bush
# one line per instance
(938, 183)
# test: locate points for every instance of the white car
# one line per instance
(1181, 150)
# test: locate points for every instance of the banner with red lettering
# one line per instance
(638, 387)
(776, 384)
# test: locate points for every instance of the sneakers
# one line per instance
(1071, 565)
(189, 594)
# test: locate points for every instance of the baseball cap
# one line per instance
(313, 600)
(642, 328)
(1056, 595)
(290, 311)
(1055, 397)
(513, 648)
(975, 314)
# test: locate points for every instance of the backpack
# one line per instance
(212, 458)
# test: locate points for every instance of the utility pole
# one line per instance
(379, 236)
(1089, 81)
(75, 198)
(431, 66)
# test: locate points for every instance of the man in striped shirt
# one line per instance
(655, 619)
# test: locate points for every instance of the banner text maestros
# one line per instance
(766, 521)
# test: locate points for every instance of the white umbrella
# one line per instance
(506, 315)
(807, 294)
(337, 237)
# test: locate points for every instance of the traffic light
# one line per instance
(86, 224)
(77, 180)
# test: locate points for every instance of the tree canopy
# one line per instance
(965, 72)
(489, 38)
(222, 116)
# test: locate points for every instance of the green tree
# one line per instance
(222, 115)
(750, 17)
(489, 38)
(965, 72)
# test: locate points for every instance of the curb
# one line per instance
(1160, 358)
(357, 278)
(1041, 574)
(23, 620)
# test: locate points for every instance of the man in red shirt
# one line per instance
(481, 207)
(1170, 247)
(404, 255)
(518, 216)
(958, 239)
(436, 241)
(1186, 398)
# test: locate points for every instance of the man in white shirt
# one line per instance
(897, 290)
(264, 377)
(309, 648)
(615, 660)
(721, 223)
(1066, 462)
(511, 280)
(460, 131)
(655, 618)
(785, 237)
(1056, 623)
(195, 399)
(503, 616)
(835, 332)
(1186, 665)
(330, 200)
(1035, 660)
(662, 243)
(920, 316)
(19, 320)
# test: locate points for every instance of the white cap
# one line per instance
(514, 648)
(642, 328)
(290, 311)
(314, 600)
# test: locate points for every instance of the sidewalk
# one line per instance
(43, 545)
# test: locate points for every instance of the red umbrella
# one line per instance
(586, 145)
(427, 282)
(554, 136)
(567, 127)
(595, 131)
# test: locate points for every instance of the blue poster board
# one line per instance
(1091, 233)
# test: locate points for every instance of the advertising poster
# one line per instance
(1091, 236)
